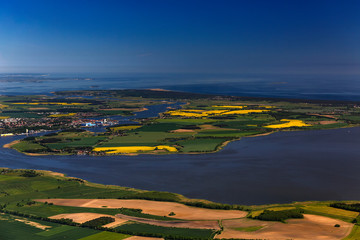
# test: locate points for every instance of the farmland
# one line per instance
(204, 124)
(46, 205)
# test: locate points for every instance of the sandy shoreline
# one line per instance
(8, 145)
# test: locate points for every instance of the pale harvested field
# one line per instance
(152, 207)
(159, 89)
(208, 127)
(327, 122)
(210, 224)
(311, 227)
(39, 108)
(84, 217)
(325, 115)
(181, 130)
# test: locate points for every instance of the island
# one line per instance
(157, 121)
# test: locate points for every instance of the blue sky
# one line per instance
(294, 36)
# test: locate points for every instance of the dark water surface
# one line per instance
(317, 86)
(281, 167)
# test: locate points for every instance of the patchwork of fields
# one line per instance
(46, 205)
(201, 126)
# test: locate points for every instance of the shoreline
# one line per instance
(182, 198)
(10, 144)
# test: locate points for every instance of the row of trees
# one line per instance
(270, 215)
(347, 206)
(98, 222)
(172, 197)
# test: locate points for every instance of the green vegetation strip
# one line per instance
(106, 236)
(56, 230)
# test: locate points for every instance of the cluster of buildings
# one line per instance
(12, 126)
(98, 123)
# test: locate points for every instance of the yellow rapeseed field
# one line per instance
(3, 106)
(129, 127)
(182, 113)
(133, 149)
(4, 117)
(243, 112)
(266, 106)
(204, 113)
(215, 112)
(290, 123)
(63, 115)
(192, 110)
(228, 106)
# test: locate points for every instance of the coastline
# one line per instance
(10, 144)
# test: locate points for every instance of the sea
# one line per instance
(301, 86)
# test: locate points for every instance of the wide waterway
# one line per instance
(277, 168)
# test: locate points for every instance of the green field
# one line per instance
(201, 144)
(11, 228)
(327, 211)
(141, 228)
(106, 236)
(26, 146)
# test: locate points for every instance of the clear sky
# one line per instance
(180, 36)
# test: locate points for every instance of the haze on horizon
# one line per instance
(300, 37)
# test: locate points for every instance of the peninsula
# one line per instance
(111, 122)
